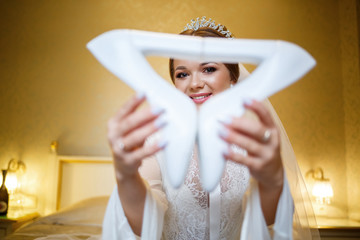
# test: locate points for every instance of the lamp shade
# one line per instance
(11, 181)
(322, 191)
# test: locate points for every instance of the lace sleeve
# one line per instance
(115, 224)
(254, 226)
(156, 203)
(150, 171)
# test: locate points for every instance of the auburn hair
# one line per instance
(207, 32)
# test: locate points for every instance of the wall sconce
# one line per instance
(11, 182)
(322, 189)
(14, 169)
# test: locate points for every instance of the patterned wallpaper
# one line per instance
(53, 89)
(350, 19)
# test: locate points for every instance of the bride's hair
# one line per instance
(208, 32)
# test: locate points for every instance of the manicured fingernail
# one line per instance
(223, 132)
(238, 150)
(162, 144)
(156, 110)
(225, 119)
(225, 152)
(140, 95)
(248, 101)
(160, 122)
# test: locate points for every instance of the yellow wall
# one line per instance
(350, 54)
(53, 89)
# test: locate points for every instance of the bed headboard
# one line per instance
(80, 178)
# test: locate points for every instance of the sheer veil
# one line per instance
(304, 221)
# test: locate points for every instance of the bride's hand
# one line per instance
(261, 140)
(127, 132)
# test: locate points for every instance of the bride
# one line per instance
(260, 169)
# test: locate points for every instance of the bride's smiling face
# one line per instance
(201, 80)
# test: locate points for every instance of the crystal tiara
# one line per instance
(199, 23)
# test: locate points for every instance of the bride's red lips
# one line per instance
(200, 97)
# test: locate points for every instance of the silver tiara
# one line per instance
(199, 23)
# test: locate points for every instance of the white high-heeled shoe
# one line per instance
(123, 52)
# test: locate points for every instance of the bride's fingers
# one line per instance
(139, 154)
(137, 120)
(267, 174)
(130, 106)
(261, 111)
(131, 161)
(242, 158)
(253, 147)
(249, 127)
(136, 138)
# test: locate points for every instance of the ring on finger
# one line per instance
(267, 136)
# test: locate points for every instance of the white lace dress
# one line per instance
(190, 213)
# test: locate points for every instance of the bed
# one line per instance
(83, 188)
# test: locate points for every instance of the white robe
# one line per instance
(231, 211)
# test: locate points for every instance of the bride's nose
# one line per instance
(197, 82)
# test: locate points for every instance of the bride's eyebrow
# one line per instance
(205, 63)
(180, 68)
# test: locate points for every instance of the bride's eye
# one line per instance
(209, 69)
(181, 75)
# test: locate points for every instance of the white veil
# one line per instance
(304, 221)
